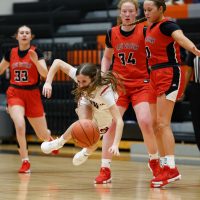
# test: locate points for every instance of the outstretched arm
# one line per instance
(185, 42)
(57, 65)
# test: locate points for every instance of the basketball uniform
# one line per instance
(163, 54)
(129, 62)
(101, 100)
(24, 81)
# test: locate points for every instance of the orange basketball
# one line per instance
(85, 133)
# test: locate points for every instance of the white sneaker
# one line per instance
(80, 157)
(48, 147)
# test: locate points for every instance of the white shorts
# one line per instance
(103, 119)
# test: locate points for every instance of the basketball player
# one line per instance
(23, 96)
(125, 53)
(94, 93)
(163, 41)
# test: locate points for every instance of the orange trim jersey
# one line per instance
(161, 49)
(23, 71)
(129, 54)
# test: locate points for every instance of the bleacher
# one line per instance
(74, 31)
(45, 17)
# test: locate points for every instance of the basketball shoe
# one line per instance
(25, 168)
(104, 176)
(166, 176)
(154, 166)
(48, 147)
(80, 157)
(54, 152)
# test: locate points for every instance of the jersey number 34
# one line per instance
(125, 60)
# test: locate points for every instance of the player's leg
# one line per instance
(84, 112)
(48, 147)
(16, 109)
(36, 116)
(170, 172)
(39, 124)
(107, 141)
(158, 136)
(141, 99)
(17, 114)
(81, 157)
(169, 89)
(108, 138)
(144, 118)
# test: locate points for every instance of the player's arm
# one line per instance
(39, 63)
(183, 41)
(108, 53)
(3, 65)
(109, 99)
(107, 59)
(56, 66)
(118, 131)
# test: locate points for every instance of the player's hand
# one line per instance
(47, 90)
(33, 55)
(196, 51)
(114, 150)
(181, 98)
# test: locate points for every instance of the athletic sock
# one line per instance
(153, 156)
(170, 161)
(106, 163)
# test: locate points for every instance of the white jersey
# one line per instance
(101, 100)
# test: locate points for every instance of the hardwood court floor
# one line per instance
(55, 178)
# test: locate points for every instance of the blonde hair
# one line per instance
(134, 2)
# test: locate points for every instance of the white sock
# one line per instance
(162, 161)
(62, 140)
(23, 159)
(170, 161)
(106, 163)
(153, 156)
(85, 152)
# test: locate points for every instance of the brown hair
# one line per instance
(91, 70)
(14, 36)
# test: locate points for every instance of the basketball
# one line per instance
(85, 133)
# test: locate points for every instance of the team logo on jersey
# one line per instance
(95, 104)
(128, 45)
(103, 130)
(150, 39)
